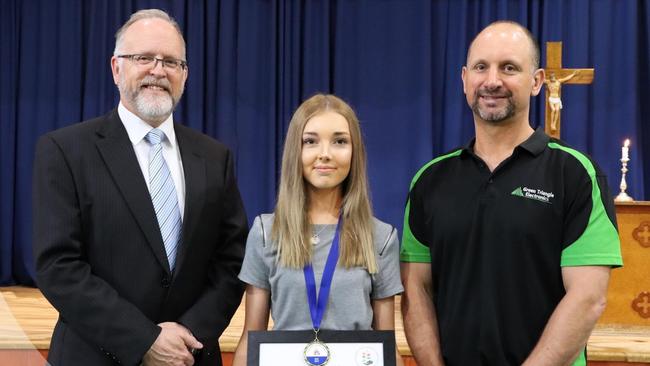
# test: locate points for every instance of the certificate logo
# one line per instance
(366, 357)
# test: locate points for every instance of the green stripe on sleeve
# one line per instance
(581, 360)
(412, 249)
(599, 243)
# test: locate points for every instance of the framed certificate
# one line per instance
(345, 348)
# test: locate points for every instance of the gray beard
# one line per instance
(149, 107)
(494, 117)
(155, 108)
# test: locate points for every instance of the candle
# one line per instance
(625, 150)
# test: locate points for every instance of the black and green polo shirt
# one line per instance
(497, 241)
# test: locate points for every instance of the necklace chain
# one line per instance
(315, 238)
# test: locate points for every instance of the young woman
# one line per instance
(323, 191)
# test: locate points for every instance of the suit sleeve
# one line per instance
(211, 313)
(86, 303)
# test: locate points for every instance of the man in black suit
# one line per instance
(139, 228)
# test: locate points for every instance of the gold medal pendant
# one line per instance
(316, 353)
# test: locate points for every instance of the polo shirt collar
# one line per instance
(535, 144)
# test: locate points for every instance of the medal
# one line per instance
(316, 353)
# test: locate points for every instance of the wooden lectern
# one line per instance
(629, 287)
(622, 335)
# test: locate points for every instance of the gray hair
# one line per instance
(145, 14)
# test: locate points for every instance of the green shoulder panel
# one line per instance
(412, 249)
(599, 243)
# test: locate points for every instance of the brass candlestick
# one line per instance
(624, 197)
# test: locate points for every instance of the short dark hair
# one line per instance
(533, 41)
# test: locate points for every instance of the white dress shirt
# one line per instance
(137, 130)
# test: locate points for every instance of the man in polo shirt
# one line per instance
(508, 241)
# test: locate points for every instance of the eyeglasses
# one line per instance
(171, 64)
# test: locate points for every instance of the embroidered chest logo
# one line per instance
(534, 194)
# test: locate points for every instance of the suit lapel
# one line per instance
(195, 185)
(117, 151)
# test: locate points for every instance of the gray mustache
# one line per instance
(151, 81)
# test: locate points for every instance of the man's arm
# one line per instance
(420, 321)
(211, 313)
(383, 318)
(86, 303)
(570, 325)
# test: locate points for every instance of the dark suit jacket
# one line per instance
(100, 258)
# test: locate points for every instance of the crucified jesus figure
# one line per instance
(554, 84)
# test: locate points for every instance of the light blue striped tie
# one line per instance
(163, 196)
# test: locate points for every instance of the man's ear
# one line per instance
(463, 75)
(538, 80)
(115, 69)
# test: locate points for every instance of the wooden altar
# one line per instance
(628, 296)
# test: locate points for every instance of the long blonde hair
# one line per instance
(291, 227)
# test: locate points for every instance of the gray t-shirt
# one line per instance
(349, 304)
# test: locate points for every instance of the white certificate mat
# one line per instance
(347, 348)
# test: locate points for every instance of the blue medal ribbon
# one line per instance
(317, 304)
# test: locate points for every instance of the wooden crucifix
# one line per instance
(555, 77)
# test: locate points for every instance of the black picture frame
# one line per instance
(257, 338)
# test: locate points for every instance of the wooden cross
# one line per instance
(554, 66)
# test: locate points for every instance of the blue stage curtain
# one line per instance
(251, 63)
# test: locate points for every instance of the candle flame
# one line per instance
(627, 143)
